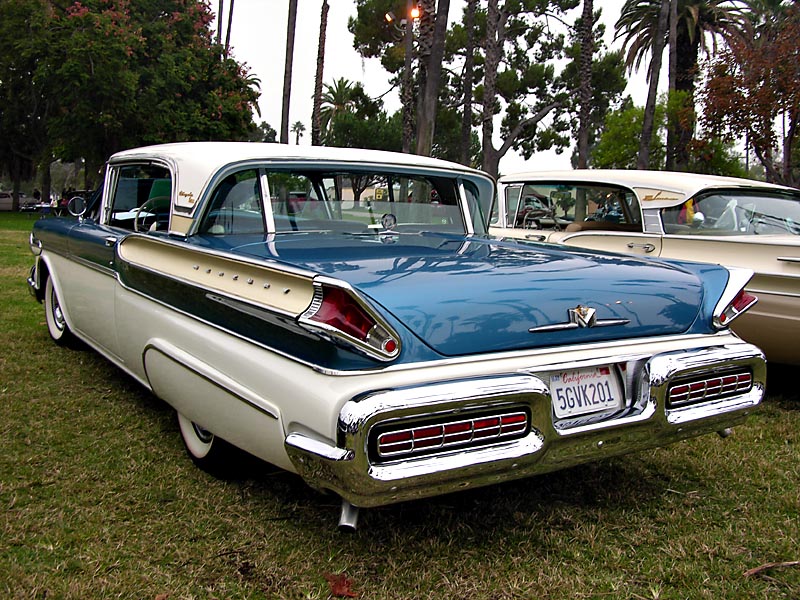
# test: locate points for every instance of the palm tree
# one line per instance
(298, 129)
(287, 71)
(337, 98)
(638, 26)
(316, 121)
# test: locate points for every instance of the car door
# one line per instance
(613, 223)
(90, 286)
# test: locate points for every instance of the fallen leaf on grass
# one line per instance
(341, 585)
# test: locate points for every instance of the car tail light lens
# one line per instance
(425, 438)
(742, 302)
(705, 388)
(735, 300)
(338, 313)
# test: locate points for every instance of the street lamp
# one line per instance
(406, 95)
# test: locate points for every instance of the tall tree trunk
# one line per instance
(585, 90)
(406, 93)
(287, 71)
(425, 39)
(495, 36)
(672, 124)
(468, 83)
(429, 96)
(316, 119)
(228, 34)
(688, 50)
(643, 159)
(220, 20)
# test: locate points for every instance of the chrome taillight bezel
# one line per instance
(725, 312)
(381, 341)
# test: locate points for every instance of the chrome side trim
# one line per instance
(350, 468)
(765, 293)
(209, 374)
(564, 326)
(790, 259)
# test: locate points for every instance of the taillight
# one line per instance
(425, 438)
(338, 313)
(705, 388)
(741, 302)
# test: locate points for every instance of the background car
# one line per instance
(7, 199)
(734, 222)
(383, 349)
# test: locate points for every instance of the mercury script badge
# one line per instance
(580, 316)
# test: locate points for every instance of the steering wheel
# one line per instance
(149, 216)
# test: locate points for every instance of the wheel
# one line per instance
(56, 323)
(209, 452)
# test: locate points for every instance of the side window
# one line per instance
(235, 206)
(141, 198)
(294, 197)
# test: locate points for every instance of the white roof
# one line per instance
(655, 189)
(194, 163)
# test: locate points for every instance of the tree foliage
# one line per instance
(618, 146)
(700, 24)
(608, 82)
(110, 75)
(352, 119)
(753, 90)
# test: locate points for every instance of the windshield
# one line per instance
(736, 212)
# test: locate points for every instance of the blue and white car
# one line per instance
(343, 314)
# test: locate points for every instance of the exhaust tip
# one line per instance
(723, 433)
(348, 519)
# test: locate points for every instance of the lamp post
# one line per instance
(406, 93)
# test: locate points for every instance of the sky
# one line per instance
(258, 39)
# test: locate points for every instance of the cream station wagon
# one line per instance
(734, 222)
(344, 314)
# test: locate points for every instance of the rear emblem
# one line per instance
(580, 317)
(583, 316)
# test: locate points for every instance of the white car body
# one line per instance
(230, 328)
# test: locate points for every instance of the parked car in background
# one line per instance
(7, 200)
(383, 349)
(735, 222)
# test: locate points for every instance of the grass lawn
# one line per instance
(99, 500)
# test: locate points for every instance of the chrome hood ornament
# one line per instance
(580, 316)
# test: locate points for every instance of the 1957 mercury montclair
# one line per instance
(344, 315)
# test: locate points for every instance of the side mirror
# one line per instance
(76, 206)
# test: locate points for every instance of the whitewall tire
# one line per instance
(209, 452)
(54, 315)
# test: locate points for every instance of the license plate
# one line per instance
(583, 391)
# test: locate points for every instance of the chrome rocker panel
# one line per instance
(646, 422)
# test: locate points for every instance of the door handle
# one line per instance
(646, 247)
(110, 241)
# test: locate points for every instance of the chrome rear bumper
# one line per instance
(353, 469)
